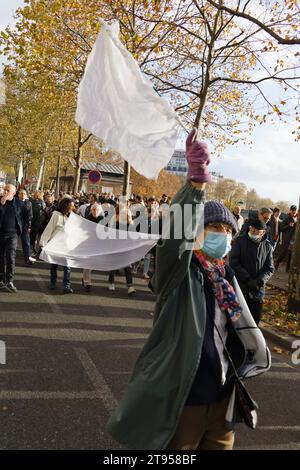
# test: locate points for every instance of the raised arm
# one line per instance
(174, 250)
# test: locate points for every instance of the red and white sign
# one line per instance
(94, 176)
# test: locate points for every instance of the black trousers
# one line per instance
(255, 308)
(8, 250)
(128, 275)
(34, 232)
(25, 244)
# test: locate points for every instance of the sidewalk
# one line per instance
(280, 279)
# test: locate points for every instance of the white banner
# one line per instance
(85, 244)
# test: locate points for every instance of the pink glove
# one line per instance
(198, 158)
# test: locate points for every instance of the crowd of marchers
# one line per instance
(260, 240)
(185, 388)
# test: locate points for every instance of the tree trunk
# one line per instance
(57, 176)
(206, 83)
(43, 176)
(58, 165)
(126, 183)
(25, 171)
(16, 171)
(203, 97)
(39, 181)
(77, 163)
(294, 275)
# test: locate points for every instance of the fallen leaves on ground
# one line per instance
(275, 314)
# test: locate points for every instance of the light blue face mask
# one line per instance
(217, 245)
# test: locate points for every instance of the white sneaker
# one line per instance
(111, 287)
(131, 290)
(146, 276)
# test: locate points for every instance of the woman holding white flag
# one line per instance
(185, 392)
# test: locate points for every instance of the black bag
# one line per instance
(246, 405)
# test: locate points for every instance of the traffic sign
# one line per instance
(94, 176)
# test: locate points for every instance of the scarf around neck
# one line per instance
(223, 290)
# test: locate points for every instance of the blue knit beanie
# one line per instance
(215, 212)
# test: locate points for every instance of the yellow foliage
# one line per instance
(166, 183)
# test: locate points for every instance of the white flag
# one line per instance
(117, 103)
(20, 174)
(84, 244)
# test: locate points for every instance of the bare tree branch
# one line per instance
(252, 82)
(263, 26)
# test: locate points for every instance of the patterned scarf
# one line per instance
(223, 290)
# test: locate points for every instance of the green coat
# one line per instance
(148, 414)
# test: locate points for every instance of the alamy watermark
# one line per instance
(296, 353)
(2, 352)
(176, 222)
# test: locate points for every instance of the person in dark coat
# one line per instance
(26, 230)
(13, 221)
(38, 206)
(274, 225)
(251, 258)
(47, 212)
(95, 215)
(264, 215)
(288, 230)
(122, 220)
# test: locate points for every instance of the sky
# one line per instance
(270, 166)
(7, 8)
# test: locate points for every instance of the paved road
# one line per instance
(69, 358)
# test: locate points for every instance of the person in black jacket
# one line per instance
(264, 215)
(251, 258)
(26, 229)
(13, 220)
(274, 224)
(47, 212)
(96, 215)
(38, 205)
(288, 230)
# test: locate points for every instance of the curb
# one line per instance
(284, 289)
(280, 339)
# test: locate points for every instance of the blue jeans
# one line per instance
(66, 279)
